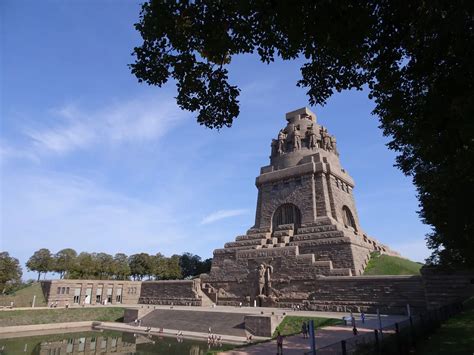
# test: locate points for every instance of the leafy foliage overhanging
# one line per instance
(415, 59)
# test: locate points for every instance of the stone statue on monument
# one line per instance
(325, 139)
(311, 137)
(261, 279)
(296, 139)
(281, 142)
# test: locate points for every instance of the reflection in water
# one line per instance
(106, 342)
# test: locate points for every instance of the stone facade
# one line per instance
(306, 222)
(175, 292)
(85, 292)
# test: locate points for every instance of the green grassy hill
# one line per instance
(391, 265)
(47, 316)
(24, 297)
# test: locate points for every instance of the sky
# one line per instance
(93, 160)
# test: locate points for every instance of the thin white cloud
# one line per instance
(58, 211)
(9, 152)
(221, 214)
(139, 119)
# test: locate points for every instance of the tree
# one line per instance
(159, 265)
(41, 261)
(10, 272)
(84, 266)
(173, 270)
(104, 265)
(64, 261)
(140, 265)
(121, 268)
(414, 59)
(189, 264)
(204, 266)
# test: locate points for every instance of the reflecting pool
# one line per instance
(104, 342)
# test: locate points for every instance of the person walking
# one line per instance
(304, 330)
(362, 317)
(354, 327)
(279, 344)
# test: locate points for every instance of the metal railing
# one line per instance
(398, 338)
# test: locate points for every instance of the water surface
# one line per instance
(104, 342)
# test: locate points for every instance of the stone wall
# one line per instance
(390, 294)
(443, 286)
(173, 292)
(262, 325)
(339, 294)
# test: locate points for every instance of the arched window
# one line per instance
(348, 218)
(286, 214)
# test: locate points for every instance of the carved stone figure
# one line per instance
(268, 282)
(333, 144)
(325, 139)
(311, 137)
(281, 142)
(274, 147)
(261, 279)
(296, 139)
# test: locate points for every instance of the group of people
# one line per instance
(213, 339)
(55, 304)
(314, 139)
(296, 307)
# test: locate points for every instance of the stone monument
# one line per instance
(306, 223)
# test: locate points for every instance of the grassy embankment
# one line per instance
(455, 336)
(291, 325)
(60, 315)
(24, 297)
(391, 265)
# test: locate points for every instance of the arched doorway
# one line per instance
(287, 213)
(348, 218)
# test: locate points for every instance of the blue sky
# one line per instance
(92, 160)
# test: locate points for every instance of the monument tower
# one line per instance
(306, 223)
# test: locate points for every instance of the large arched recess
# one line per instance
(348, 218)
(287, 213)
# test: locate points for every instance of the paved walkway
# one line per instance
(219, 322)
(293, 345)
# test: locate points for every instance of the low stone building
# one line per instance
(91, 292)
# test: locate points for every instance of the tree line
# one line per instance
(69, 264)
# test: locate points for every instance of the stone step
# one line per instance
(283, 227)
(341, 272)
(253, 231)
(253, 236)
(323, 264)
(245, 243)
(305, 259)
(197, 321)
(232, 250)
(284, 239)
(283, 233)
(317, 229)
(316, 242)
(321, 235)
(319, 222)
